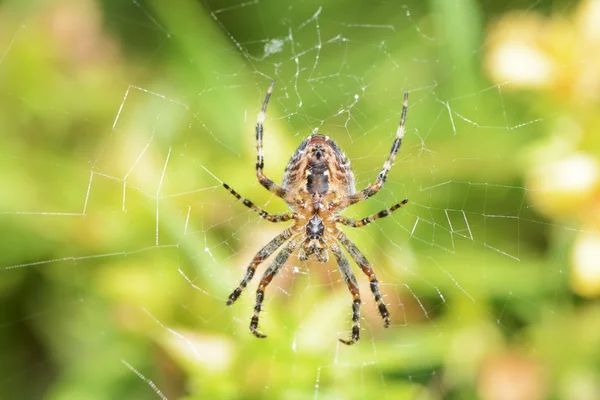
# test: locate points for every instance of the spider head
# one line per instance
(314, 244)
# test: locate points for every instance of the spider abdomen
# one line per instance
(319, 167)
(317, 178)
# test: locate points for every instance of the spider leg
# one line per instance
(352, 284)
(261, 256)
(269, 217)
(365, 221)
(375, 187)
(364, 264)
(269, 274)
(260, 162)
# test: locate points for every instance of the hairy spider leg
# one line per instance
(375, 187)
(269, 274)
(366, 267)
(352, 284)
(261, 256)
(269, 217)
(366, 221)
(260, 162)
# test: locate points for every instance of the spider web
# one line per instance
(121, 246)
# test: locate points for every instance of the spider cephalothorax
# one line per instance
(318, 184)
(314, 245)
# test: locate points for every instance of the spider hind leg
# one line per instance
(261, 256)
(266, 279)
(366, 267)
(352, 284)
(355, 324)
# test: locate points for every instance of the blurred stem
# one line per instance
(207, 54)
(459, 24)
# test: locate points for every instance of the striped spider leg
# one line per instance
(269, 217)
(367, 220)
(366, 267)
(350, 279)
(261, 256)
(269, 274)
(375, 187)
(260, 162)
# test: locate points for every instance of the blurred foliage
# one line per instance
(119, 120)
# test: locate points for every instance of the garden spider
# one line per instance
(318, 184)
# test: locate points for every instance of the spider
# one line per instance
(318, 184)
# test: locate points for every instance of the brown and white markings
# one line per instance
(318, 184)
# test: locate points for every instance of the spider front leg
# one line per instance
(352, 284)
(261, 256)
(267, 277)
(366, 267)
(375, 187)
(366, 221)
(258, 210)
(260, 162)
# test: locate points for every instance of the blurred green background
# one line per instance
(120, 119)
